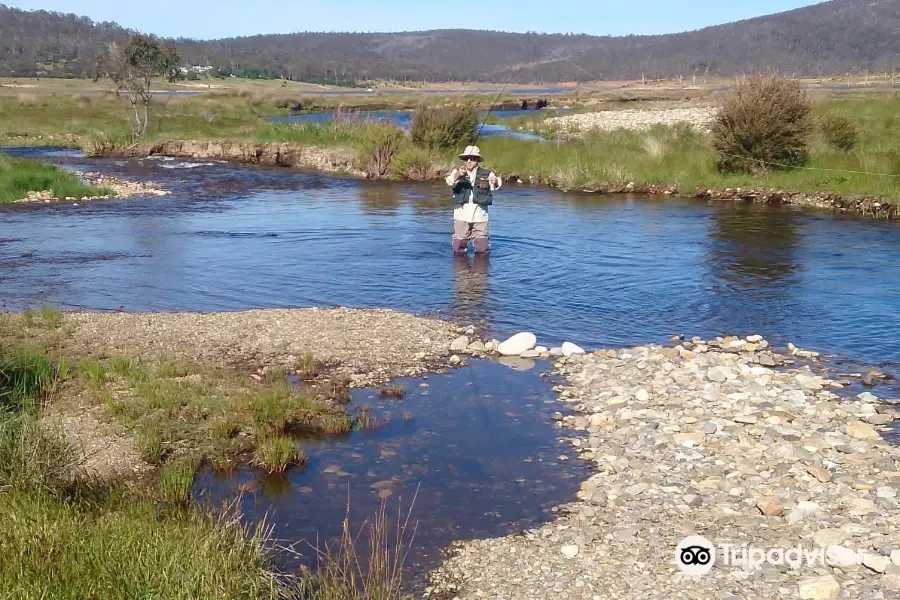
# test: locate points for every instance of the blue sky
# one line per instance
(204, 19)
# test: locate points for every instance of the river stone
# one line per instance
(746, 419)
(861, 431)
(710, 428)
(895, 557)
(455, 360)
(570, 551)
(840, 556)
(530, 354)
(556, 352)
(459, 344)
(883, 419)
(518, 344)
(820, 588)
(830, 537)
(867, 397)
(690, 439)
(477, 346)
(823, 475)
(570, 349)
(754, 339)
(642, 395)
(770, 506)
(876, 562)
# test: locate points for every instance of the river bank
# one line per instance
(721, 439)
(637, 151)
(342, 160)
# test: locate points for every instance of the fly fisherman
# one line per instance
(472, 194)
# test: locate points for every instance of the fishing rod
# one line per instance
(491, 107)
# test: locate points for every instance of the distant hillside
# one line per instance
(832, 37)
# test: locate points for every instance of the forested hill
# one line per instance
(829, 38)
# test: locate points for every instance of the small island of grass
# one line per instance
(19, 176)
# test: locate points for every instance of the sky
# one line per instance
(208, 19)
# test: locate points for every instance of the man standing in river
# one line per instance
(473, 188)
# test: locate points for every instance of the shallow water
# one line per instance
(595, 270)
(598, 271)
(472, 454)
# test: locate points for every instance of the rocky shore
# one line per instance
(724, 439)
(632, 119)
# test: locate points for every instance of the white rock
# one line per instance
(820, 588)
(754, 339)
(530, 354)
(867, 397)
(876, 562)
(541, 349)
(839, 556)
(459, 344)
(518, 344)
(830, 537)
(895, 557)
(642, 395)
(570, 551)
(556, 351)
(455, 360)
(570, 349)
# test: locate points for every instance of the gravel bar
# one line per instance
(722, 439)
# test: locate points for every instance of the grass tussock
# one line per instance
(393, 391)
(275, 453)
(19, 176)
(176, 478)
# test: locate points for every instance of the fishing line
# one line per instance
(491, 107)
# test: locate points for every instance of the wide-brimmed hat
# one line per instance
(472, 151)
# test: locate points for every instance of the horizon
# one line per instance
(625, 16)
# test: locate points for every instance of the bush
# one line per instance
(764, 123)
(378, 146)
(413, 163)
(439, 127)
(840, 132)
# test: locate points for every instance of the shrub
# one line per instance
(378, 146)
(764, 123)
(413, 163)
(840, 132)
(439, 127)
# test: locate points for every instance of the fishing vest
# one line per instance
(482, 189)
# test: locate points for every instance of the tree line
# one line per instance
(833, 37)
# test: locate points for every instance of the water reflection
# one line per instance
(470, 276)
(379, 199)
(754, 247)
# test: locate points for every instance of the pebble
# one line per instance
(820, 588)
(460, 344)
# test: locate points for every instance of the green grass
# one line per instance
(69, 539)
(275, 453)
(18, 176)
(122, 549)
(684, 157)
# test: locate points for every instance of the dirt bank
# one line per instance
(280, 154)
(341, 160)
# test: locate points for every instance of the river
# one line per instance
(478, 445)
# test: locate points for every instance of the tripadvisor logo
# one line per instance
(695, 555)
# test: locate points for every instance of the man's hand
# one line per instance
(492, 179)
